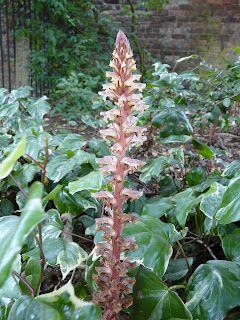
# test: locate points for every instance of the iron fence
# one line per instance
(14, 16)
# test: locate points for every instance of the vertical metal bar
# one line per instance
(8, 49)
(1, 49)
(14, 39)
(35, 42)
(30, 19)
(24, 15)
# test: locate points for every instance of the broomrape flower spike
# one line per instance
(111, 278)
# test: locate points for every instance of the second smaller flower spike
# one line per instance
(115, 286)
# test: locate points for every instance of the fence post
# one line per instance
(22, 54)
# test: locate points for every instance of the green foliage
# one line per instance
(192, 220)
(70, 41)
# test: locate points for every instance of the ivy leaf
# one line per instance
(176, 138)
(226, 102)
(80, 202)
(212, 199)
(14, 230)
(213, 290)
(231, 246)
(152, 299)
(9, 109)
(68, 255)
(203, 149)
(232, 169)
(39, 107)
(60, 165)
(9, 288)
(153, 237)
(99, 147)
(178, 268)
(195, 176)
(35, 143)
(153, 169)
(172, 122)
(230, 206)
(57, 305)
(7, 164)
(184, 203)
(72, 142)
(52, 227)
(19, 93)
(157, 207)
(92, 182)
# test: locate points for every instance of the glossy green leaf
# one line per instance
(152, 299)
(9, 288)
(226, 102)
(212, 199)
(53, 193)
(99, 147)
(176, 139)
(6, 207)
(92, 182)
(3, 95)
(61, 304)
(157, 207)
(168, 186)
(214, 176)
(177, 268)
(153, 237)
(232, 169)
(72, 142)
(60, 165)
(5, 306)
(231, 246)
(38, 108)
(195, 176)
(92, 262)
(58, 251)
(36, 143)
(90, 121)
(153, 169)
(184, 203)
(23, 174)
(19, 93)
(213, 290)
(9, 109)
(74, 204)
(203, 149)
(230, 206)
(7, 164)
(172, 122)
(193, 56)
(14, 230)
(52, 226)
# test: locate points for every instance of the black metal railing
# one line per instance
(15, 15)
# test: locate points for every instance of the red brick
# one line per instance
(215, 1)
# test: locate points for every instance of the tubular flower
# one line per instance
(114, 285)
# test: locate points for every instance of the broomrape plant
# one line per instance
(114, 284)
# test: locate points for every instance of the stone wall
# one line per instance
(208, 28)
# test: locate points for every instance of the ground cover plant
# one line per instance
(162, 242)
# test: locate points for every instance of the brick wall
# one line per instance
(207, 28)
